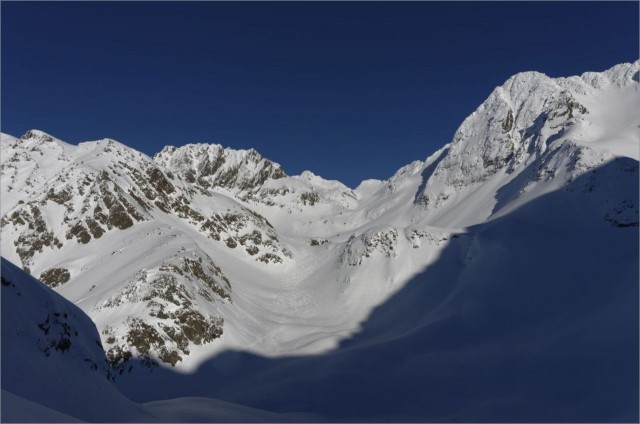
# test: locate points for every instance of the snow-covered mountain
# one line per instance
(202, 250)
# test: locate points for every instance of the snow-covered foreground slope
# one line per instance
(220, 267)
(52, 357)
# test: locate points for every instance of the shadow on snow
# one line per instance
(530, 317)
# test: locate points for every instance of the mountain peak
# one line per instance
(40, 137)
(525, 121)
(211, 165)
(37, 134)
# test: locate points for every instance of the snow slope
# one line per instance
(52, 357)
(204, 253)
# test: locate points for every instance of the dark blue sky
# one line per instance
(348, 90)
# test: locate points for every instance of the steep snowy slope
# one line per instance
(52, 357)
(534, 134)
(203, 249)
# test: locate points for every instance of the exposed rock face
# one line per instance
(171, 315)
(361, 248)
(210, 165)
(54, 277)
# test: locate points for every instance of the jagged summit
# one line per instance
(211, 165)
(524, 122)
(36, 134)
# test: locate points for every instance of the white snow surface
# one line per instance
(270, 284)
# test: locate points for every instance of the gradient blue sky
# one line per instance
(348, 90)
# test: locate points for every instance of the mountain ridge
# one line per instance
(206, 264)
(184, 254)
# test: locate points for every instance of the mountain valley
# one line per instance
(216, 279)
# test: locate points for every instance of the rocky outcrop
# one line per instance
(212, 166)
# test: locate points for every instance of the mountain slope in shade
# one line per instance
(201, 251)
(52, 356)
